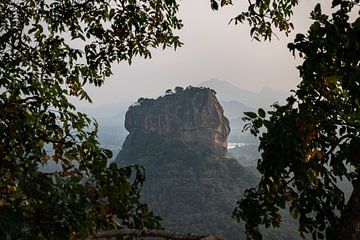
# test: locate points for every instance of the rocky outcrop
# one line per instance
(193, 115)
(181, 139)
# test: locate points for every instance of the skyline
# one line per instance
(212, 49)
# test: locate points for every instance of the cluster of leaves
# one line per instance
(313, 141)
(262, 16)
(49, 50)
(41, 67)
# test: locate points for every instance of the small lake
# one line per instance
(233, 145)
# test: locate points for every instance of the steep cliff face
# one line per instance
(181, 140)
(191, 115)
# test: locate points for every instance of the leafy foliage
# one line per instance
(49, 50)
(312, 142)
(41, 68)
(262, 16)
(193, 189)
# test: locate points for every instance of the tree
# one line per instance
(262, 16)
(178, 89)
(311, 143)
(41, 68)
(168, 92)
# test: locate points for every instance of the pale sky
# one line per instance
(212, 49)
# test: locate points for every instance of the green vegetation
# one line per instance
(313, 141)
(246, 155)
(186, 183)
(169, 94)
(309, 143)
(40, 70)
(262, 16)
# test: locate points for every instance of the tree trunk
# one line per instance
(349, 224)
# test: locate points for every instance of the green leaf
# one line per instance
(214, 5)
(294, 213)
(261, 112)
(250, 114)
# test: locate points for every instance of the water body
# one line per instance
(234, 145)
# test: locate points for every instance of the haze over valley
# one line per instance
(235, 101)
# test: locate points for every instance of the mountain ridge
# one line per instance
(229, 92)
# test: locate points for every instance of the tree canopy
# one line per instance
(311, 143)
(40, 69)
(263, 16)
(49, 50)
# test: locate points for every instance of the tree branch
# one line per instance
(151, 233)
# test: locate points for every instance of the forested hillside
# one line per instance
(190, 181)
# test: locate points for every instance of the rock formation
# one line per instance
(190, 115)
(181, 141)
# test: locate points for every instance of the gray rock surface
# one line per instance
(190, 115)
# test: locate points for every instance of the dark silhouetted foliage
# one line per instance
(312, 142)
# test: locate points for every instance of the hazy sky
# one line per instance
(212, 49)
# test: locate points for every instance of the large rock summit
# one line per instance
(181, 139)
(192, 115)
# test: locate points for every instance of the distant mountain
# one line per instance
(111, 119)
(229, 92)
(234, 109)
(107, 110)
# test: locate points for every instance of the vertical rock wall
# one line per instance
(190, 115)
